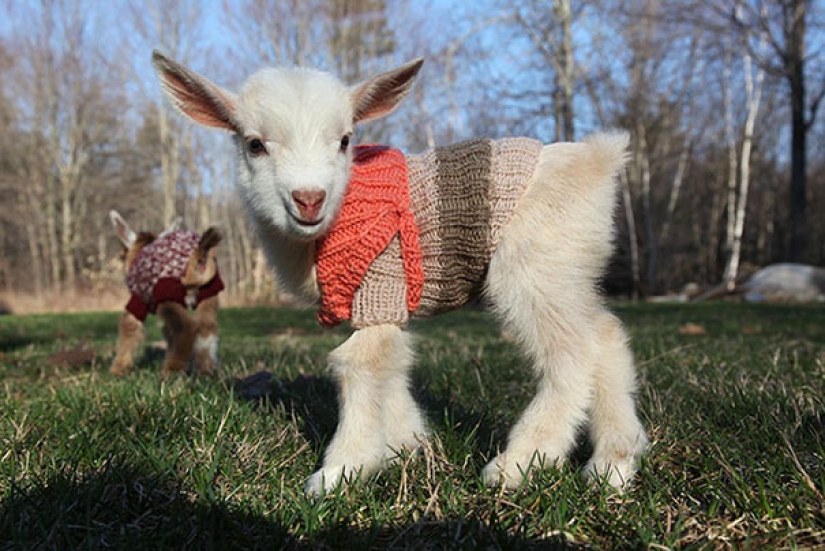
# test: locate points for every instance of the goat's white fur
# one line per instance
(541, 282)
(206, 345)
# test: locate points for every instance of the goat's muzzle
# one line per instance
(309, 203)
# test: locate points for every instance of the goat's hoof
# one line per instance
(206, 368)
(502, 471)
(617, 476)
(324, 480)
(616, 466)
(120, 369)
(409, 444)
(172, 367)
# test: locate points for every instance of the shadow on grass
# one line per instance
(469, 533)
(126, 507)
(123, 506)
(18, 332)
(10, 343)
(312, 399)
(314, 402)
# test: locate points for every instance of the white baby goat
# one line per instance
(292, 129)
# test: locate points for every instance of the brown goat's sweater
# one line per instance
(462, 197)
(155, 275)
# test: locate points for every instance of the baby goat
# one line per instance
(166, 275)
(374, 237)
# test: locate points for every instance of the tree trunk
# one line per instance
(34, 251)
(795, 72)
(798, 171)
(633, 243)
(753, 93)
(52, 241)
(169, 161)
(642, 166)
(730, 139)
(675, 190)
(564, 73)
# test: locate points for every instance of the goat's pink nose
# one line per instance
(309, 202)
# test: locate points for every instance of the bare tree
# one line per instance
(783, 26)
(738, 201)
(550, 28)
(63, 98)
(171, 27)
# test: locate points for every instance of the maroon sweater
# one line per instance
(155, 275)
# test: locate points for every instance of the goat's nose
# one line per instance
(309, 202)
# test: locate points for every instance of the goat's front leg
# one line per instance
(179, 328)
(129, 337)
(205, 354)
(377, 414)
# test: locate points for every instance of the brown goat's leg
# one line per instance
(179, 328)
(205, 353)
(129, 337)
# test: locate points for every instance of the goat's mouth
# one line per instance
(304, 223)
(307, 228)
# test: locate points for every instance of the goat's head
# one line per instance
(292, 128)
(202, 265)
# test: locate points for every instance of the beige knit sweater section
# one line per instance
(462, 196)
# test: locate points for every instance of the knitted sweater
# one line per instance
(461, 198)
(156, 272)
(376, 209)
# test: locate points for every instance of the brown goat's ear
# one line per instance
(144, 238)
(195, 96)
(122, 230)
(380, 95)
(209, 240)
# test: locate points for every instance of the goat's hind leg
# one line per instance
(205, 352)
(180, 329)
(617, 435)
(585, 369)
(545, 434)
(377, 414)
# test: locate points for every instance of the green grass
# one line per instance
(89, 461)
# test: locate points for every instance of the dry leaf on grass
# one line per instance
(692, 329)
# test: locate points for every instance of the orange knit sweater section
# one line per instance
(375, 209)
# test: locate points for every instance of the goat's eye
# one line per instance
(344, 143)
(256, 147)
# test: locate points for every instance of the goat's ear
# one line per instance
(380, 95)
(174, 226)
(122, 229)
(195, 96)
(210, 239)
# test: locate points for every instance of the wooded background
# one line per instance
(721, 98)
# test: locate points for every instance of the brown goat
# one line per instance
(167, 275)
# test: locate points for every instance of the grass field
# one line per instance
(733, 404)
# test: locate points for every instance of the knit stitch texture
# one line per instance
(461, 197)
(376, 209)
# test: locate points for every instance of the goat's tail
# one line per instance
(579, 168)
(608, 151)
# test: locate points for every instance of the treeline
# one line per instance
(721, 97)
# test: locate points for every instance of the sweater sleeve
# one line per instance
(137, 308)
